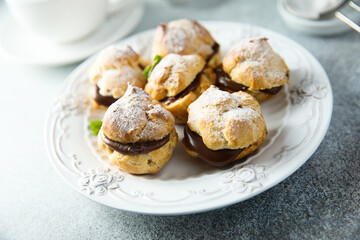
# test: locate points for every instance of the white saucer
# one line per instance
(22, 47)
(324, 27)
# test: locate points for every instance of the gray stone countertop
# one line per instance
(321, 200)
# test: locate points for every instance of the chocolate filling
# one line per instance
(135, 148)
(215, 49)
(271, 91)
(100, 99)
(223, 80)
(215, 158)
(193, 85)
(141, 66)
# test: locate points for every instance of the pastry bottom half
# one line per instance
(215, 60)
(148, 163)
(260, 96)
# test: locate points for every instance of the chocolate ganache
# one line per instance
(193, 85)
(215, 158)
(100, 99)
(223, 80)
(215, 49)
(141, 66)
(135, 148)
(271, 91)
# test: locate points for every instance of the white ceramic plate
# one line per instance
(297, 120)
(19, 46)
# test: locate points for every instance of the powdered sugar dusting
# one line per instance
(135, 117)
(113, 82)
(176, 40)
(118, 55)
(216, 112)
(114, 67)
(173, 74)
(257, 55)
(187, 36)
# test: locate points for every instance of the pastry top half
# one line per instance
(135, 117)
(253, 63)
(173, 74)
(114, 67)
(226, 120)
(184, 37)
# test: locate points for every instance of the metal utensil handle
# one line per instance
(347, 20)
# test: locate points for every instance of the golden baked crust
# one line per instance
(260, 96)
(136, 117)
(179, 107)
(215, 60)
(253, 63)
(149, 163)
(174, 74)
(114, 67)
(227, 120)
(184, 37)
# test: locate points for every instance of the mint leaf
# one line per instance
(147, 71)
(95, 126)
(157, 59)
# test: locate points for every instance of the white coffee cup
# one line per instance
(61, 21)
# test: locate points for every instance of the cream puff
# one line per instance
(113, 69)
(254, 67)
(186, 37)
(223, 127)
(137, 134)
(176, 81)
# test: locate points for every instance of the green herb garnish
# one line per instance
(95, 126)
(148, 69)
(157, 59)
